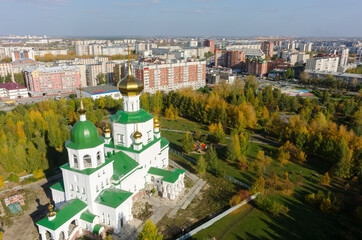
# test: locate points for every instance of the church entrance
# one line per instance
(72, 226)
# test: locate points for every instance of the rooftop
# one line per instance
(65, 213)
(131, 117)
(122, 164)
(57, 69)
(168, 176)
(58, 186)
(88, 216)
(113, 197)
(100, 89)
(11, 86)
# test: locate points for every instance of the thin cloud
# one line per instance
(138, 4)
(92, 10)
(171, 10)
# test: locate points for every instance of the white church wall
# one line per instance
(58, 197)
(134, 182)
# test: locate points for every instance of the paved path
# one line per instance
(186, 200)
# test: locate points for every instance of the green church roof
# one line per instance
(64, 214)
(113, 197)
(88, 216)
(168, 176)
(97, 229)
(87, 171)
(84, 135)
(58, 186)
(131, 117)
(122, 164)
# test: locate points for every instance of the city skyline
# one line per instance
(181, 18)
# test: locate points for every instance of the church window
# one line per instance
(71, 187)
(103, 220)
(102, 184)
(120, 139)
(135, 188)
(97, 188)
(107, 182)
(149, 136)
(87, 161)
(83, 191)
(104, 172)
(152, 178)
(99, 161)
(109, 219)
(99, 174)
(77, 188)
(75, 160)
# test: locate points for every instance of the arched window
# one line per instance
(109, 219)
(107, 182)
(152, 178)
(99, 161)
(71, 187)
(75, 160)
(77, 188)
(83, 191)
(87, 161)
(97, 188)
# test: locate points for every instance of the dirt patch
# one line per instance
(23, 225)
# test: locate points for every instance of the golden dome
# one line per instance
(130, 86)
(107, 129)
(137, 135)
(156, 123)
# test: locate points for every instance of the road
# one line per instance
(29, 100)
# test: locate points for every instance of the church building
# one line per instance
(104, 174)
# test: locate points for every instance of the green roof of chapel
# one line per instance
(84, 135)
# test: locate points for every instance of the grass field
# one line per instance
(302, 220)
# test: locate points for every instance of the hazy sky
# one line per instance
(182, 17)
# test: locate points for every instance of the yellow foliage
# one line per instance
(38, 173)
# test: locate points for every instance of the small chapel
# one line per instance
(105, 174)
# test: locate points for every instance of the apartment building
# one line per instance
(327, 64)
(170, 75)
(256, 66)
(6, 69)
(51, 80)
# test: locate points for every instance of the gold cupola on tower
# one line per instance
(156, 123)
(130, 86)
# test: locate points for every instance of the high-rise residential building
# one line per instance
(93, 70)
(327, 64)
(229, 59)
(6, 69)
(210, 44)
(256, 66)
(50, 80)
(305, 47)
(343, 56)
(171, 75)
(268, 48)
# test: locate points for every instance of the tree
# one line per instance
(2, 183)
(212, 159)
(233, 149)
(290, 73)
(144, 102)
(325, 179)
(197, 134)
(101, 79)
(201, 165)
(171, 112)
(217, 133)
(283, 157)
(187, 143)
(274, 181)
(258, 186)
(149, 232)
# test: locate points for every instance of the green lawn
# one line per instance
(182, 124)
(302, 221)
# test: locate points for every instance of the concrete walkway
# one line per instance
(186, 200)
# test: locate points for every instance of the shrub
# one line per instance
(153, 190)
(38, 173)
(14, 178)
(239, 197)
(271, 206)
(2, 183)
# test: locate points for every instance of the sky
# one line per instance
(168, 18)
